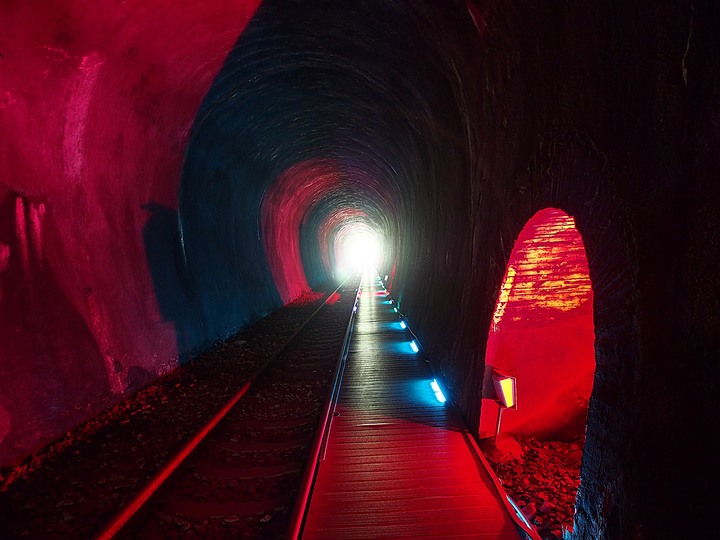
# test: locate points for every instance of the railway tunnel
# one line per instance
(170, 175)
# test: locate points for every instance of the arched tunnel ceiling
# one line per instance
(321, 107)
(446, 131)
(131, 225)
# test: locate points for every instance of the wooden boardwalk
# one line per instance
(399, 463)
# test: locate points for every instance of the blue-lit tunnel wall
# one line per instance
(162, 189)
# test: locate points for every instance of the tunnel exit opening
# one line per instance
(357, 247)
(542, 336)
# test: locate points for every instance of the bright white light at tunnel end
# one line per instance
(361, 250)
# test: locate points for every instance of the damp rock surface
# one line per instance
(543, 480)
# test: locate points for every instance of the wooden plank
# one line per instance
(398, 463)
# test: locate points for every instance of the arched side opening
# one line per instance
(541, 336)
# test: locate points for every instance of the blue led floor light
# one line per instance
(438, 392)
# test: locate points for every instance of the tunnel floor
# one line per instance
(399, 462)
(542, 477)
(73, 487)
(411, 454)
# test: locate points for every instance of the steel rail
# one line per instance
(121, 519)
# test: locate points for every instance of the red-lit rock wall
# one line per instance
(542, 332)
(287, 207)
(96, 103)
(284, 206)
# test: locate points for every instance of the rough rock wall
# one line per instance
(609, 112)
(95, 108)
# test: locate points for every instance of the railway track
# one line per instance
(240, 475)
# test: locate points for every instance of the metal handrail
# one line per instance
(338, 379)
(317, 452)
(528, 529)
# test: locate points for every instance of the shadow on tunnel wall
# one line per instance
(172, 288)
(182, 299)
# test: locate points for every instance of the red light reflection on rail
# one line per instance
(332, 299)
